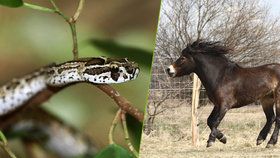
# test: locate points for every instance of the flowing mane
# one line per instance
(215, 48)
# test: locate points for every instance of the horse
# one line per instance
(229, 85)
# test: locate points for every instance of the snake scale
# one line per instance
(97, 70)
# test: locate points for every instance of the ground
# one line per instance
(171, 137)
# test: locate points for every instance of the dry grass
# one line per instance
(171, 137)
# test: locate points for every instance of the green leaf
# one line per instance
(114, 151)
(135, 131)
(11, 3)
(112, 48)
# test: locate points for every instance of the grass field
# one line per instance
(171, 137)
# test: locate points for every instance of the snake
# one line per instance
(51, 134)
(96, 70)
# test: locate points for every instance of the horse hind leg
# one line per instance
(274, 137)
(267, 105)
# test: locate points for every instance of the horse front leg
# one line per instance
(213, 122)
(220, 136)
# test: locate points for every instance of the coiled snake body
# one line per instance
(56, 136)
(97, 70)
(53, 135)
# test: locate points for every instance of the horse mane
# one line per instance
(211, 47)
(215, 49)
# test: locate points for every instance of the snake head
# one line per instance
(124, 70)
(113, 70)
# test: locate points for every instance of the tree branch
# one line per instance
(122, 102)
(72, 23)
(46, 94)
(74, 18)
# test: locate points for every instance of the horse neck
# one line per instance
(210, 70)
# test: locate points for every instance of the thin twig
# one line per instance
(126, 134)
(75, 50)
(113, 126)
(71, 21)
(3, 138)
(72, 24)
(4, 145)
(39, 8)
(7, 150)
(75, 17)
(57, 10)
(122, 102)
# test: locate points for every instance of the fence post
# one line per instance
(195, 102)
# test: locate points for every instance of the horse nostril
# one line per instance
(171, 71)
(167, 70)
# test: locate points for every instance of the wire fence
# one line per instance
(169, 93)
(162, 86)
(180, 88)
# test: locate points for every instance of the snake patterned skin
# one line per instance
(98, 70)
(53, 135)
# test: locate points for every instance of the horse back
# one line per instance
(242, 86)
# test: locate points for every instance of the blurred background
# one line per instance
(30, 39)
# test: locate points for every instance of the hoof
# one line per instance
(223, 140)
(259, 141)
(209, 144)
(269, 145)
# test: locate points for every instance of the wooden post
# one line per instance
(195, 102)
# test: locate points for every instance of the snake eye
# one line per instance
(129, 69)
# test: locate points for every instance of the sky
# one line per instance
(274, 5)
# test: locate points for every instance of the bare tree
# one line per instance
(243, 25)
(154, 108)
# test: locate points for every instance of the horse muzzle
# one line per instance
(171, 71)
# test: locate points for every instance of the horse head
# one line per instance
(184, 65)
(193, 54)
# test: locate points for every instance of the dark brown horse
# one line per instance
(229, 85)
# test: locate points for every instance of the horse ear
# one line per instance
(196, 43)
(190, 49)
